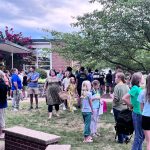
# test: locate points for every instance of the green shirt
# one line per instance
(134, 93)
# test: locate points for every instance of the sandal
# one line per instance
(90, 137)
(88, 141)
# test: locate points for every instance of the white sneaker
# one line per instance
(61, 105)
(57, 114)
(9, 98)
(64, 108)
(74, 108)
(111, 111)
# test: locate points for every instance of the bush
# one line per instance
(43, 73)
(41, 81)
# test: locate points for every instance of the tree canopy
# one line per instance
(119, 34)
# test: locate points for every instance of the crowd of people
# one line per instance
(86, 89)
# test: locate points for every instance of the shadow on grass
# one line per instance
(69, 126)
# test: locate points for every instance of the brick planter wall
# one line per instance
(19, 138)
(13, 143)
(59, 147)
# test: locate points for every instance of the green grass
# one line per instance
(69, 126)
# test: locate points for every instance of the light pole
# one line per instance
(12, 58)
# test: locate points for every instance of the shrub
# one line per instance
(43, 73)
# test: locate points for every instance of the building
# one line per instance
(8, 51)
(41, 55)
(45, 58)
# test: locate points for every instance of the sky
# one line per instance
(31, 16)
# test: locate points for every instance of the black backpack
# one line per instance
(124, 124)
(3, 91)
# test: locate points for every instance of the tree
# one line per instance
(17, 38)
(118, 34)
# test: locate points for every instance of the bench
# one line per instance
(59, 147)
(20, 138)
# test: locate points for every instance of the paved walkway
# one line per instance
(107, 98)
(2, 145)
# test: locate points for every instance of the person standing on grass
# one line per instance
(72, 93)
(80, 78)
(32, 79)
(131, 99)
(7, 82)
(96, 107)
(21, 74)
(144, 99)
(70, 72)
(109, 82)
(102, 83)
(52, 89)
(96, 75)
(87, 110)
(65, 83)
(117, 69)
(25, 84)
(3, 103)
(118, 105)
(90, 75)
(16, 89)
(60, 76)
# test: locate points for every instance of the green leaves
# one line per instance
(118, 34)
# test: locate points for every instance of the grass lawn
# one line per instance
(69, 126)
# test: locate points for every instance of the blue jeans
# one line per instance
(139, 134)
(121, 137)
(87, 123)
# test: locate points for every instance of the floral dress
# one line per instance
(71, 96)
(53, 89)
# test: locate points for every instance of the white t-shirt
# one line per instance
(142, 99)
(65, 83)
(21, 78)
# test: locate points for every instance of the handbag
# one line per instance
(63, 95)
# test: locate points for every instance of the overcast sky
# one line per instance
(30, 16)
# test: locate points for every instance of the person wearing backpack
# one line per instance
(3, 103)
(131, 99)
(144, 99)
(118, 105)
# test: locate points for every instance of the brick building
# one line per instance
(40, 56)
(45, 58)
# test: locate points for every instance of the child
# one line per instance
(65, 83)
(72, 91)
(87, 110)
(96, 107)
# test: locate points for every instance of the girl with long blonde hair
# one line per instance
(86, 100)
